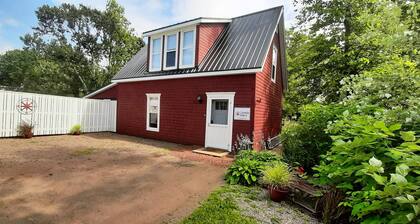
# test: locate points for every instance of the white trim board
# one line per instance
(190, 23)
(101, 90)
(190, 75)
(148, 96)
(208, 139)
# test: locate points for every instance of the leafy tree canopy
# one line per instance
(81, 47)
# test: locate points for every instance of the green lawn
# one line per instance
(220, 208)
(244, 205)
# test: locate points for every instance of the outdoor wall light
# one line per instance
(199, 99)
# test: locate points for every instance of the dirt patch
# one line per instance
(102, 178)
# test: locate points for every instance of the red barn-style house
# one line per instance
(205, 81)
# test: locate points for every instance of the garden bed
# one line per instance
(240, 204)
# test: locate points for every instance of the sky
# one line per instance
(17, 17)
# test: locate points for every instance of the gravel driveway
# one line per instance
(100, 178)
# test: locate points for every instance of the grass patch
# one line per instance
(220, 208)
(84, 152)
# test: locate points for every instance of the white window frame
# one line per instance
(181, 56)
(274, 62)
(148, 96)
(151, 53)
(165, 51)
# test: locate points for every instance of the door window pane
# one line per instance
(219, 112)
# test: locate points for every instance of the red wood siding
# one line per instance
(268, 100)
(182, 118)
(206, 35)
(110, 93)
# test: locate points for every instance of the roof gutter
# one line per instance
(189, 75)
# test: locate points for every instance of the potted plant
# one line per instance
(25, 130)
(277, 179)
(76, 130)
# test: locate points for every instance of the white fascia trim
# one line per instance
(101, 90)
(190, 75)
(190, 23)
(223, 94)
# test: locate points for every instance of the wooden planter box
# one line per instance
(306, 195)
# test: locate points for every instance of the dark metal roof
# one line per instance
(243, 44)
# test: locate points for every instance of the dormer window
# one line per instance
(156, 54)
(187, 48)
(171, 48)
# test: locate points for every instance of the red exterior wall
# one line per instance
(206, 35)
(107, 94)
(268, 100)
(182, 118)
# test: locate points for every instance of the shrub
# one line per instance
(248, 166)
(377, 165)
(263, 156)
(305, 140)
(277, 176)
(25, 129)
(76, 129)
(244, 171)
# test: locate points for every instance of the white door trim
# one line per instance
(220, 95)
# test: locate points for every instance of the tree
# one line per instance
(88, 45)
(334, 43)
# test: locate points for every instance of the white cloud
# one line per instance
(10, 22)
(4, 46)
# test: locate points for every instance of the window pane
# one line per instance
(170, 58)
(156, 61)
(156, 45)
(273, 72)
(153, 120)
(219, 111)
(274, 56)
(188, 39)
(171, 45)
(187, 56)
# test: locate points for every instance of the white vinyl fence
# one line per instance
(52, 115)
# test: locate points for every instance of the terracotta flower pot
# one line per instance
(277, 194)
(28, 135)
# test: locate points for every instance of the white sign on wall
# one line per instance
(242, 113)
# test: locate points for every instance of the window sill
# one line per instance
(152, 129)
(169, 68)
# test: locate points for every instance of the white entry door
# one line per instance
(219, 120)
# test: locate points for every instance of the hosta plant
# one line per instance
(244, 171)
